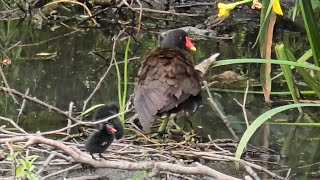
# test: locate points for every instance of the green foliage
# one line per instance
(24, 165)
(89, 110)
(312, 29)
(260, 120)
(122, 93)
(281, 54)
(140, 176)
(241, 61)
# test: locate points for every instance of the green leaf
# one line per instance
(260, 120)
(312, 29)
(281, 54)
(20, 171)
(302, 59)
(241, 61)
(90, 109)
(31, 168)
(312, 82)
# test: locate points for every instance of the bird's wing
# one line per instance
(166, 79)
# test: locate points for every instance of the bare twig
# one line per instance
(243, 105)
(215, 107)
(251, 172)
(84, 123)
(14, 124)
(70, 114)
(51, 39)
(205, 64)
(61, 171)
(46, 163)
(7, 85)
(23, 104)
(35, 100)
(196, 169)
(140, 16)
(107, 71)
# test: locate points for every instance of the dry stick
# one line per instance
(252, 173)
(61, 171)
(13, 46)
(7, 85)
(140, 16)
(207, 155)
(46, 163)
(215, 107)
(57, 154)
(141, 9)
(198, 169)
(194, 5)
(165, 12)
(105, 74)
(14, 124)
(9, 133)
(23, 104)
(51, 39)
(247, 178)
(87, 177)
(84, 123)
(218, 147)
(288, 174)
(69, 120)
(204, 66)
(243, 105)
(59, 130)
(35, 100)
(179, 176)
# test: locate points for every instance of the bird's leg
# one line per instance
(164, 124)
(93, 156)
(100, 155)
(187, 116)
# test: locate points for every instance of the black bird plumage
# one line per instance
(100, 140)
(107, 111)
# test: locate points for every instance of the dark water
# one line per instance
(74, 71)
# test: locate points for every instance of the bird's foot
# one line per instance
(93, 157)
(102, 157)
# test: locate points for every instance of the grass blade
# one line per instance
(260, 120)
(281, 54)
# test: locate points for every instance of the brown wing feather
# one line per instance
(166, 79)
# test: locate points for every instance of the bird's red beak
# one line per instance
(189, 44)
(111, 129)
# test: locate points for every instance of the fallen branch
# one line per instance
(196, 169)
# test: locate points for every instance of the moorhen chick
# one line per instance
(107, 111)
(100, 140)
(168, 82)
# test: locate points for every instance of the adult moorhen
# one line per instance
(167, 81)
(107, 111)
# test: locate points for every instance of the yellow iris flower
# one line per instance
(276, 7)
(224, 9)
